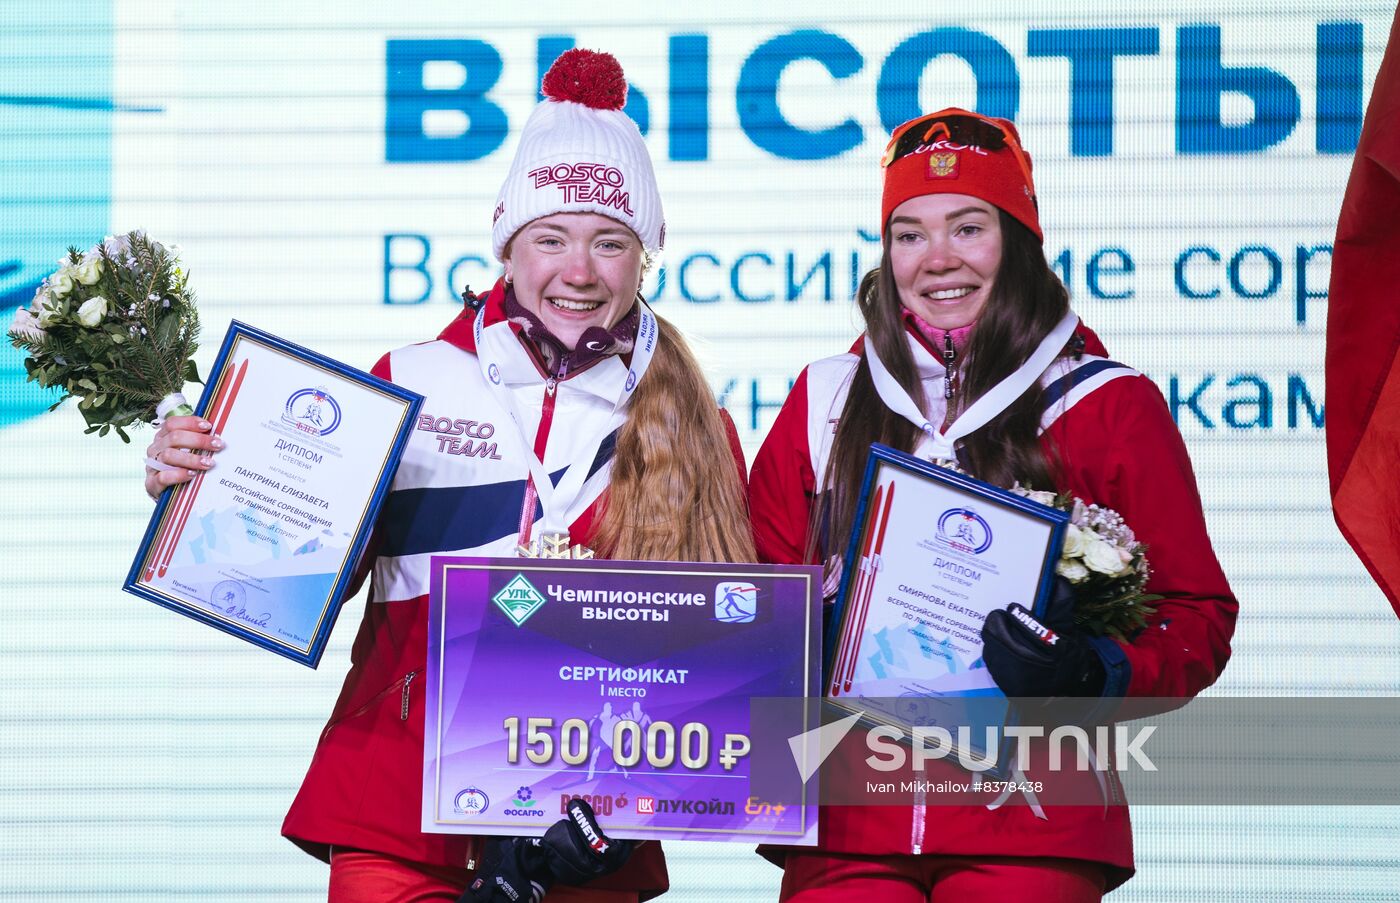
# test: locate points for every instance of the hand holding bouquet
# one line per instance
(116, 328)
(1104, 563)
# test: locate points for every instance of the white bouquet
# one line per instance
(1106, 565)
(116, 328)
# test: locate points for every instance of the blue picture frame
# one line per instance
(981, 706)
(162, 532)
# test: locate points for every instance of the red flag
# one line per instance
(1363, 338)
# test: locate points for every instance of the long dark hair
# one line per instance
(1026, 301)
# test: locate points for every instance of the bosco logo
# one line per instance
(312, 411)
(585, 182)
(964, 530)
(603, 803)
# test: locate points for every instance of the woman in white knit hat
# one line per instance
(563, 368)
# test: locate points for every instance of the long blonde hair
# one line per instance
(675, 493)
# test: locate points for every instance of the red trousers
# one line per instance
(361, 877)
(822, 878)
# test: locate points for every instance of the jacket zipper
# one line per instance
(950, 377)
(400, 684)
(920, 814)
(527, 509)
(403, 706)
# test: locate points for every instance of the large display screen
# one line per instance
(330, 172)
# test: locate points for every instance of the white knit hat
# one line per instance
(579, 153)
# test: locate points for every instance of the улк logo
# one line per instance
(470, 801)
(736, 603)
(312, 411)
(965, 530)
(518, 599)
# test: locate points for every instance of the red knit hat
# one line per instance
(957, 151)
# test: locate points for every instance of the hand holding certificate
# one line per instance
(625, 683)
(262, 545)
(934, 553)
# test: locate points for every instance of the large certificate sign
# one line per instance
(625, 683)
(262, 545)
(933, 554)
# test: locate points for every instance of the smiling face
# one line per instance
(574, 271)
(945, 250)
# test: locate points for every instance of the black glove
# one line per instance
(1030, 657)
(573, 851)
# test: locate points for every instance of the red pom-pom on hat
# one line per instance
(588, 77)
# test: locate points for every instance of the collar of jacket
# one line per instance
(1093, 345)
(933, 338)
(461, 333)
(525, 368)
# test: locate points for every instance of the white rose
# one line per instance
(1075, 542)
(92, 311)
(1073, 571)
(61, 283)
(1103, 558)
(89, 271)
(1041, 496)
(25, 325)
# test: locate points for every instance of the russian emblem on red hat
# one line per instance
(942, 165)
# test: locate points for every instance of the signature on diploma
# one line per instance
(241, 613)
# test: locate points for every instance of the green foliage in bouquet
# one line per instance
(1106, 565)
(114, 327)
(1101, 559)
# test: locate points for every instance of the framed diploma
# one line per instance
(933, 553)
(626, 683)
(263, 544)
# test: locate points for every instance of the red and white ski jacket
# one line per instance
(460, 489)
(1119, 448)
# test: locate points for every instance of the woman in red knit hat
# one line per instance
(574, 375)
(964, 307)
